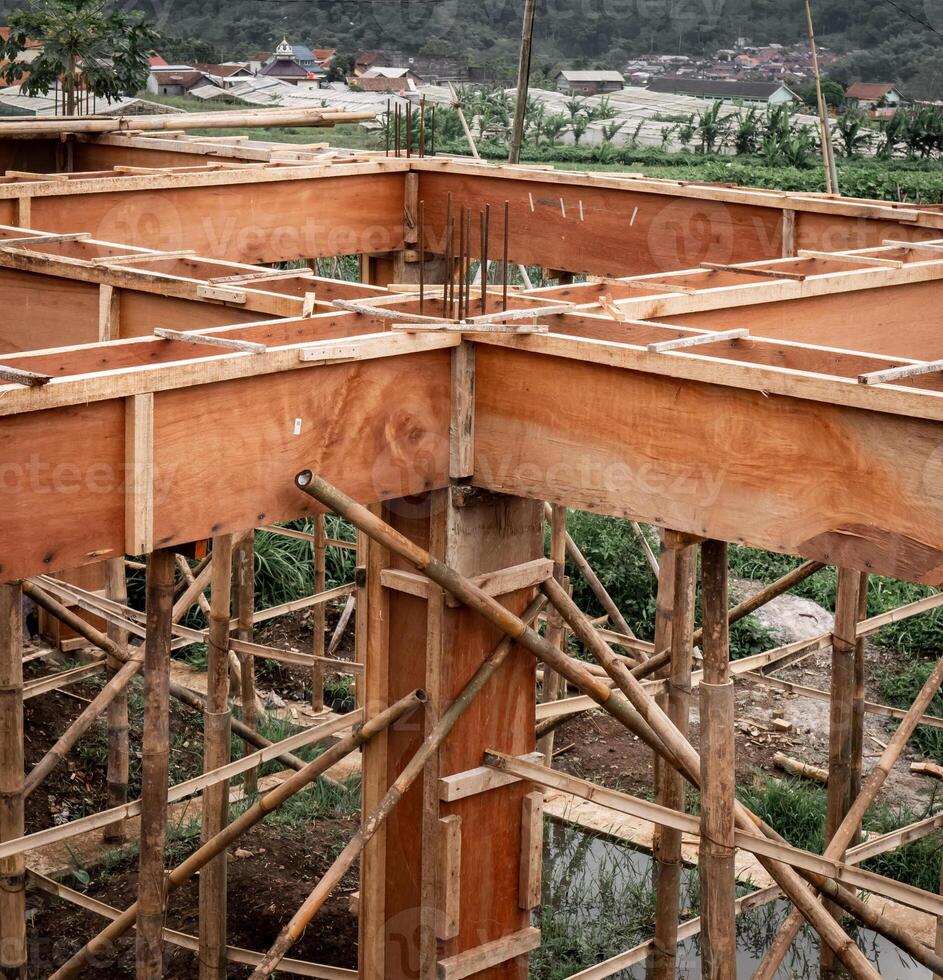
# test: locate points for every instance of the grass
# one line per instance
(797, 810)
(919, 634)
(899, 686)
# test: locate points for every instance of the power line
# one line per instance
(923, 23)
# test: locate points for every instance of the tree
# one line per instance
(83, 46)
(851, 130)
(579, 124)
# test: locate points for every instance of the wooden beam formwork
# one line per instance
(248, 216)
(403, 895)
(782, 473)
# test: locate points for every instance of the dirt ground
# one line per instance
(597, 747)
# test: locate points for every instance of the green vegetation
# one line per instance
(84, 45)
(899, 687)
(796, 809)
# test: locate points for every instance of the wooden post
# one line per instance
(858, 704)
(244, 571)
(716, 855)
(415, 641)
(13, 869)
(360, 615)
(841, 736)
(674, 627)
(556, 631)
(116, 589)
(154, 765)
(319, 549)
(216, 753)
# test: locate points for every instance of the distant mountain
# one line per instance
(879, 41)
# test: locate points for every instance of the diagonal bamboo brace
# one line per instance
(215, 846)
(632, 705)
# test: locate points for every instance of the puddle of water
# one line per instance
(598, 900)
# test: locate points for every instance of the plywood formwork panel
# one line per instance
(263, 221)
(62, 483)
(841, 485)
(45, 311)
(602, 230)
(901, 321)
(370, 424)
(824, 232)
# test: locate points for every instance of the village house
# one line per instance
(589, 82)
(874, 95)
(765, 92)
(174, 80)
(294, 64)
(384, 79)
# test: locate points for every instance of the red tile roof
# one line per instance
(869, 91)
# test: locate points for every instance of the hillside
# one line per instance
(879, 41)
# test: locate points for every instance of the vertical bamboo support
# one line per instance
(154, 764)
(116, 589)
(716, 856)
(857, 708)
(675, 624)
(556, 632)
(841, 737)
(360, 615)
(12, 869)
(244, 570)
(216, 753)
(318, 613)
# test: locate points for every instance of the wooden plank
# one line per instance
(900, 373)
(448, 871)
(488, 955)
(109, 312)
(532, 849)
(849, 258)
(695, 340)
(481, 779)
(139, 455)
(462, 421)
(191, 337)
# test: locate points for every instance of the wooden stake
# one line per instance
(116, 589)
(216, 753)
(319, 554)
(155, 747)
(244, 571)
(716, 855)
(13, 869)
(674, 627)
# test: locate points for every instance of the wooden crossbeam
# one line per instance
(935, 245)
(263, 275)
(849, 257)
(135, 257)
(472, 326)
(753, 271)
(186, 337)
(502, 316)
(695, 340)
(29, 378)
(72, 236)
(900, 372)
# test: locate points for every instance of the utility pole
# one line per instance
(523, 80)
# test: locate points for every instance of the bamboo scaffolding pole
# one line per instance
(13, 948)
(319, 555)
(592, 580)
(638, 712)
(859, 702)
(674, 628)
(841, 736)
(556, 634)
(244, 574)
(193, 591)
(155, 747)
(845, 833)
(216, 753)
(88, 954)
(116, 589)
(178, 691)
(183, 120)
(718, 777)
(378, 816)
